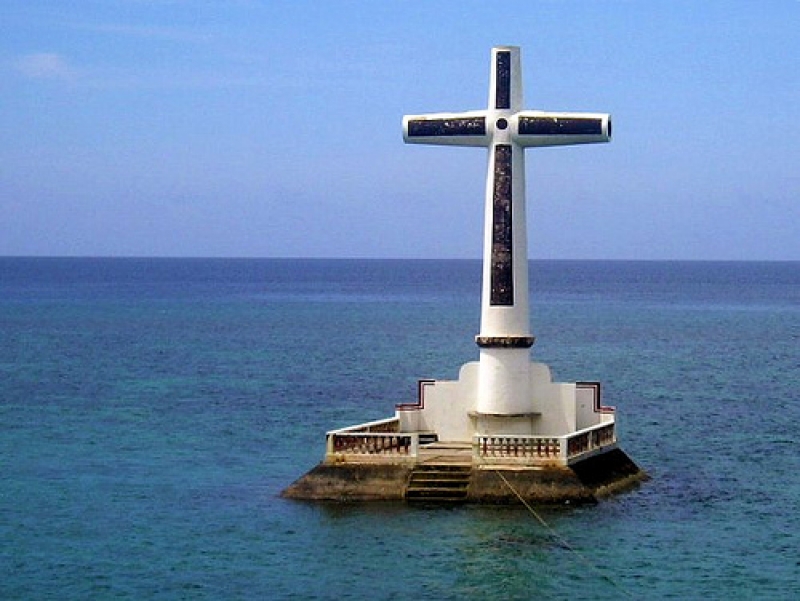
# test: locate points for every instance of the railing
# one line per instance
(380, 441)
(390, 424)
(590, 439)
(518, 447)
(373, 441)
(542, 450)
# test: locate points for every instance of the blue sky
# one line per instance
(247, 128)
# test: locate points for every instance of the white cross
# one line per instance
(506, 130)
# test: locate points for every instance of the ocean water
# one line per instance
(151, 411)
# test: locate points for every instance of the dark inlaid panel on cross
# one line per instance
(502, 92)
(450, 126)
(502, 272)
(560, 126)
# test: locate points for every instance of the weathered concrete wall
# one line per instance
(351, 482)
(609, 473)
(585, 482)
(553, 485)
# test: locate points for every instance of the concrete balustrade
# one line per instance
(498, 449)
(372, 441)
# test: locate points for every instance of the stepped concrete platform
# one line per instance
(444, 473)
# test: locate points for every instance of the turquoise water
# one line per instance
(153, 410)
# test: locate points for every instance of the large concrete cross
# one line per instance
(506, 130)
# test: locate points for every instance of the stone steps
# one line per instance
(438, 483)
(426, 438)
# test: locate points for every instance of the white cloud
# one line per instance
(45, 65)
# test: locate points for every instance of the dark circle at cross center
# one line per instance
(501, 123)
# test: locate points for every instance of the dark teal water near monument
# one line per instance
(152, 410)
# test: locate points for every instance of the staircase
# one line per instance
(426, 438)
(438, 483)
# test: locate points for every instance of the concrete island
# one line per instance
(503, 432)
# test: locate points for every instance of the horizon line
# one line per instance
(318, 258)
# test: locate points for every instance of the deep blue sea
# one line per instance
(151, 411)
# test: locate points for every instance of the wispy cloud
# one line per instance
(150, 32)
(45, 65)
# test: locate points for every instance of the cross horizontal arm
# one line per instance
(449, 129)
(538, 128)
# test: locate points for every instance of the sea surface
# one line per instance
(152, 410)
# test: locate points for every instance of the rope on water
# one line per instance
(560, 539)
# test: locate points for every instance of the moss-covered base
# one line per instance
(351, 482)
(585, 482)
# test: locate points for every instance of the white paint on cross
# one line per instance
(506, 130)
